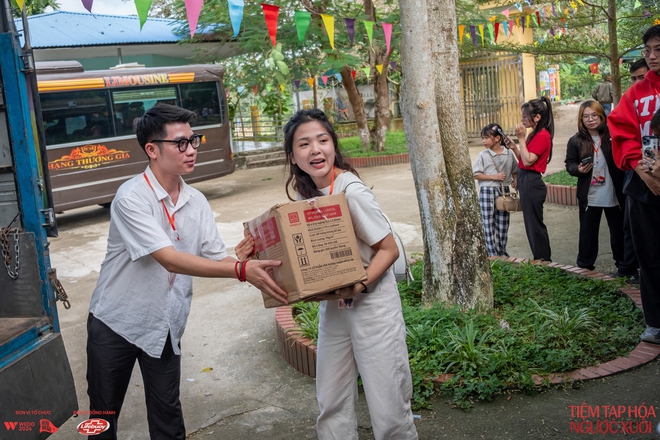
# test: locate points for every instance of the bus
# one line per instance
(88, 119)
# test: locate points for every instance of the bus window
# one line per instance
(202, 98)
(76, 116)
(131, 104)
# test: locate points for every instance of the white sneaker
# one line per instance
(651, 334)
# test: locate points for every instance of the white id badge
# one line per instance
(598, 177)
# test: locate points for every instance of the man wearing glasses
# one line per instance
(630, 123)
(162, 232)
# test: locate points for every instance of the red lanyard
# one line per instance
(167, 213)
(332, 182)
(597, 147)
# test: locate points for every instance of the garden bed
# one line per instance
(589, 329)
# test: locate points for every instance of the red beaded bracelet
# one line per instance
(244, 270)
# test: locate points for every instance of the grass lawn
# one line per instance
(395, 143)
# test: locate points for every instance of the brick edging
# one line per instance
(374, 161)
(300, 352)
(561, 194)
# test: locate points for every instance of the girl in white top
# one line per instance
(366, 334)
(495, 169)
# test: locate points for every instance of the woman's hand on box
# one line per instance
(245, 248)
(255, 271)
(343, 293)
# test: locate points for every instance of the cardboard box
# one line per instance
(316, 243)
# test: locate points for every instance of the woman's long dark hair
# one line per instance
(584, 139)
(542, 107)
(298, 180)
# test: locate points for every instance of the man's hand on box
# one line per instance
(257, 276)
(245, 248)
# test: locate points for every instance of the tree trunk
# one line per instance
(315, 90)
(456, 270)
(614, 50)
(381, 89)
(471, 276)
(355, 100)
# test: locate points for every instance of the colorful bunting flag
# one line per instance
(554, 10)
(506, 13)
(297, 83)
(491, 31)
(519, 6)
(505, 25)
(369, 25)
(511, 25)
(87, 4)
(302, 20)
(324, 78)
(473, 34)
(270, 14)
(329, 23)
(497, 30)
(637, 4)
(461, 31)
(310, 81)
(594, 68)
(527, 20)
(367, 71)
(353, 73)
(517, 21)
(393, 65)
(481, 33)
(538, 19)
(193, 8)
(387, 29)
(338, 76)
(350, 27)
(379, 67)
(236, 14)
(143, 7)
(255, 89)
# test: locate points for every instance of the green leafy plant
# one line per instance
(560, 178)
(306, 317)
(545, 320)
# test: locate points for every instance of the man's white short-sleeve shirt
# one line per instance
(135, 296)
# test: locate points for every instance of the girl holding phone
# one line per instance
(533, 153)
(599, 187)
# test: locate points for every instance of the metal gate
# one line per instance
(492, 92)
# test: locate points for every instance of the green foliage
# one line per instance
(560, 178)
(306, 317)
(577, 82)
(544, 321)
(395, 143)
(34, 7)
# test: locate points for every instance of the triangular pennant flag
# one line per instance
(329, 23)
(302, 19)
(393, 65)
(593, 67)
(517, 21)
(481, 32)
(497, 30)
(506, 13)
(637, 4)
(338, 76)
(519, 6)
(324, 78)
(193, 8)
(527, 20)
(461, 31)
(350, 27)
(542, 14)
(511, 26)
(367, 71)
(353, 73)
(473, 34)
(538, 19)
(255, 89)
(236, 14)
(370, 30)
(87, 4)
(379, 67)
(522, 24)
(310, 81)
(297, 83)
(552, 32)
(142, 7)
(491, 31)
(282, 87)
(240, 89)
(554, 10)
(505, 25)
(270, 14)
(387, 29)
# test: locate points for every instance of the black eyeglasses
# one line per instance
(182, 144)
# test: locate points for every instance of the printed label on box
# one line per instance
(294, 218)
(324, 213)
(267, 235)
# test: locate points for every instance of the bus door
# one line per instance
(36, 383)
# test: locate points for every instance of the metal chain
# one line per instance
(6, 252)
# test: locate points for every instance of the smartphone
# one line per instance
(505, 138)
(586, 160)
(649, 143)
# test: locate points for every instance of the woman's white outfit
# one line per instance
(369, 338)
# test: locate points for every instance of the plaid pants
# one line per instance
(496, 223)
